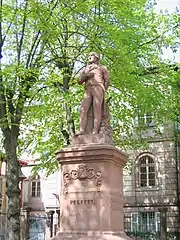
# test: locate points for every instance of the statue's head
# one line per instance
(93, 57)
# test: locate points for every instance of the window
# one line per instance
(135, 222)
(145, 222)
(147, 120)
(36, 187)
(146, 171)
(148, 222)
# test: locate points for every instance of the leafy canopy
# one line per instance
(46, 44)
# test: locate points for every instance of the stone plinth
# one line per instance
(91, 139)
(91, 199)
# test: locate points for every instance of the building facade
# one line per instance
(152, 186)
(40, 201)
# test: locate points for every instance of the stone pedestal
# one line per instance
(91, 199)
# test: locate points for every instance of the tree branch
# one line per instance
(9, 99)
(36, 94)
(20, 104)
(155, 69)
(19, 48)
(33, 49)
(3, 111)
(4, 38)
(154, 39)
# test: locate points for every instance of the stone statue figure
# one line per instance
(95, 78)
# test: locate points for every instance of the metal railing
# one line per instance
(151, 225)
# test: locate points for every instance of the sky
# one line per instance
(167, 4)
(171, 6)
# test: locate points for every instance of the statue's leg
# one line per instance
(86, 102)
(98, 97)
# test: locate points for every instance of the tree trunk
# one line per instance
(12, 185)
(67, 74)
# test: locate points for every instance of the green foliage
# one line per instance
(46, 44)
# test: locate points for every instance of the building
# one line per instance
(152, 185)
(40, 201)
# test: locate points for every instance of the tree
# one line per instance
(21, 50)
(131, 41)
(76, 31)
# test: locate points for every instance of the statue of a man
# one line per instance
(95, 78)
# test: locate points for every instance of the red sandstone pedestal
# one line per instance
(91, 199)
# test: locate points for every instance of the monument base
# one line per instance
(91, 236)
(91, 198)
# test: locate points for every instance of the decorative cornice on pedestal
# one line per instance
(91, 152)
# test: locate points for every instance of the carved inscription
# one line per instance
(75, 202)
(82, 173)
